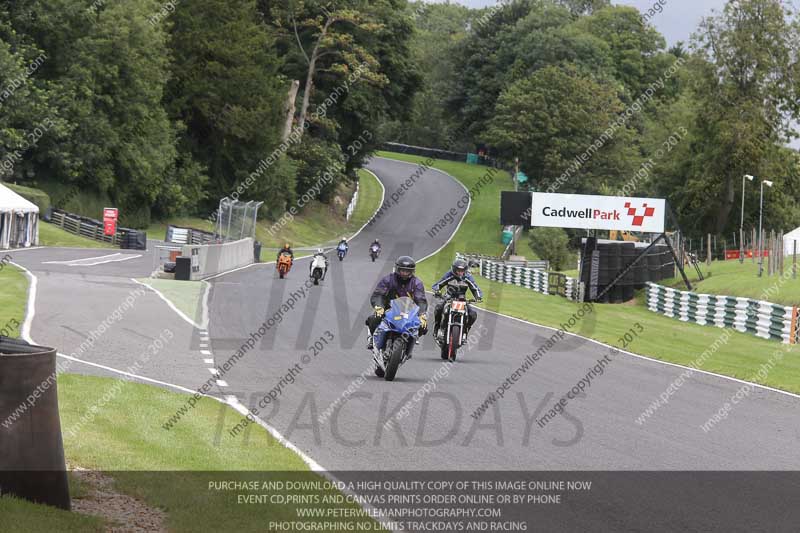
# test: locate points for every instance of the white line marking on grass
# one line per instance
(135, 376)
(380, 204)
(168, 302)
(229, 399)
(204, 311)
(30, 308)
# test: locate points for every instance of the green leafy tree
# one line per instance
(226, 89)
(556, 116)
(105, 75)
(747, 88)
(552, 244)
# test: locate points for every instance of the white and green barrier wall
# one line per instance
(536, 279)
(762, 319)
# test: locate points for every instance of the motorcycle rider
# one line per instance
(286, 249)
(343, 245)
(458, 272)
(319, 253)
(375, 246)
(401, 282)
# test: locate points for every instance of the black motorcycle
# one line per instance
(454, 320)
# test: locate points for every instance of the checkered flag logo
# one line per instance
(638, 219)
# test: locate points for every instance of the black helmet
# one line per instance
(404, 267)
(459, 268)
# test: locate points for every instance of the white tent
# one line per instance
(788, 241)
(19, 220)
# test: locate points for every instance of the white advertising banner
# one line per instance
(598, 212)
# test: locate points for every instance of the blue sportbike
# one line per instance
(395, 337)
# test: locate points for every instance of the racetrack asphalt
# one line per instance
(597, 431)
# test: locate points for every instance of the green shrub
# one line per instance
(551, 244)
(37, 196)
(76, 199)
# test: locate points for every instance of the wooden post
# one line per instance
(724, 248)
(769, 254)
(708, 251)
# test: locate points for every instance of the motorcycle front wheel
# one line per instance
(453, 342)
(396, 348)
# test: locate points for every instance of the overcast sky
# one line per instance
(677, 20)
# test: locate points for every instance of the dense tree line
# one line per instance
(166, 106)
(590, 99)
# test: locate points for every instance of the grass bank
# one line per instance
(660, 337)
(13, 296)
(52, 235)
(317, 224)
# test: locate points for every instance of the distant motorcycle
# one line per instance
(284, 264)
(402, 321)
(318, 266)
(454, 323)
(341, 251)
(374, 252)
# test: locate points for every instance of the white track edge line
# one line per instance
(377, 210)
(84, 259)
(30, 307)
(458, 226)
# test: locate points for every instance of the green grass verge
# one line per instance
(731, 278)
(162, 467)
(24, 517)
(187, 296)
(52, 235)
(13, 296)
(662, 338)
(317, 224)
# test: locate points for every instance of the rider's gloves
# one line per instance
(423, 321)
(379, 311)
(438, 294)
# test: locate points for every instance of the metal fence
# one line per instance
(757, 317)
(237, 220)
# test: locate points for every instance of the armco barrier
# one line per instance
(90, 228)
(32, 462)
(211, 259)
(762, 319)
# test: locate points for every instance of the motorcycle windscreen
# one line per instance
(403, 314)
